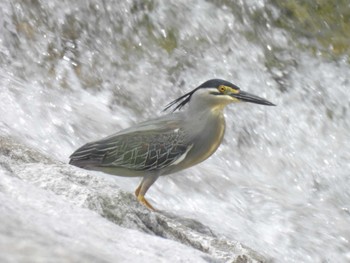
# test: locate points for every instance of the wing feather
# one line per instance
(149, 146)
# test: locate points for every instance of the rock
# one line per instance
(91, 194)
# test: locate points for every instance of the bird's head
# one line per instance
(216, 93)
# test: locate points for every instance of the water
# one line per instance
(61, 232)
(75, 72)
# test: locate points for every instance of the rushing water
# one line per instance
(72, 72)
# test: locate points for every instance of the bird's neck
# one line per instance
(212, 113)
(207, 128)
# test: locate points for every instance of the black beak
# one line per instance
(247, 97)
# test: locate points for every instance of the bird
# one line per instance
(170, 143)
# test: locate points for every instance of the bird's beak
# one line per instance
(247, 97)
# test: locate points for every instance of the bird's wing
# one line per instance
(148, 146)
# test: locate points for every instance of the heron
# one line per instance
(169, 143)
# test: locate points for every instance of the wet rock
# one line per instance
(120, 208)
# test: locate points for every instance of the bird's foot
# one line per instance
(143, 201)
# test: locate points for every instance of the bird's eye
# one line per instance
(222, 88)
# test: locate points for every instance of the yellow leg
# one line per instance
(137, 191)
(143, 201)
(141, 190)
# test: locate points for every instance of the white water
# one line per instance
(40, 227)
(280, 181)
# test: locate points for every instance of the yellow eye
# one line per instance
(222, 88)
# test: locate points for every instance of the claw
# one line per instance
(143, 201)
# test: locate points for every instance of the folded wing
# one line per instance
(147, 147)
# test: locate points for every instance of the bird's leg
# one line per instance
(141, 190)
(137, 191)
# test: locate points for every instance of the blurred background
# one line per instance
(76, 71)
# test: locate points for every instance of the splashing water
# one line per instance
(73, 72)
